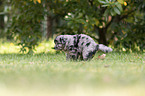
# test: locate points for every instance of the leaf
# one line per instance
(97, 22)
(119, 7)
(81, 21)
(116, 10)
(112, 12)
(101, 56)
(121, 1)
(125, 4)
(39, 1)
(106, 12)
(105, 5)
(102, 2)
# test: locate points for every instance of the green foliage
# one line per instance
(113, 18)
(92, 16)
(133, 39)
(113, 7)
(26, 23)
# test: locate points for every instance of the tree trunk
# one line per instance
(1, 21)
(49, 27)
(102, 36)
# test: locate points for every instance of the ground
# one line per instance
(49, 74)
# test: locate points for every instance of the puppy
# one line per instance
(79, 46)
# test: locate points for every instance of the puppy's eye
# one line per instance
(55, 41)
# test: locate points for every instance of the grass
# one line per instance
(48, 74)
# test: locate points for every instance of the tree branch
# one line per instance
(91, 2)
(110, 22)
(119, 18)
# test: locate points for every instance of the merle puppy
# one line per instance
(79, 46)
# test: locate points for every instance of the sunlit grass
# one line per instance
(11, 47)
(7, 47)
(45, 46)
(48, 74)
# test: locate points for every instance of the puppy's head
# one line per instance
(59, 42)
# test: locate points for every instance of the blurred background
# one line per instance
(118, 23)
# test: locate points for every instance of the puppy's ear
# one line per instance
(63, 40)
(55, 40)
(60, 39)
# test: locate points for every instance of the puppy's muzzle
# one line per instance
(56, 48)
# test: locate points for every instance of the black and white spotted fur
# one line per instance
(80, 46)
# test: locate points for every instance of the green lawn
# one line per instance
(49, 74)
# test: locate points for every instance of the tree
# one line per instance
(100, 15)
(27, 20)
(103, 20)
(1, 16)
(26, 23)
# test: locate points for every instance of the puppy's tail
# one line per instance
(104, 48)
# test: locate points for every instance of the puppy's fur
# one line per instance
(80, 46)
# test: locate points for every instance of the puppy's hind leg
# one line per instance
(88, 55)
